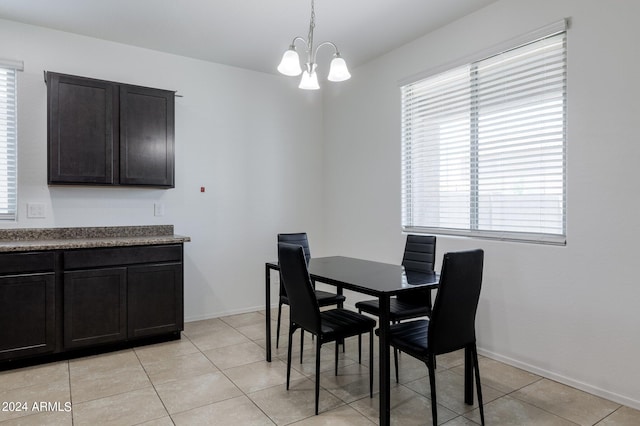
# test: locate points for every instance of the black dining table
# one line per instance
(377, 279)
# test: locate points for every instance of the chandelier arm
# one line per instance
(293, 42)
(306, 46)
(325, 43)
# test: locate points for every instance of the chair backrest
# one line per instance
(419, 255)
(304, 309)
(297, 239)
(452, 322)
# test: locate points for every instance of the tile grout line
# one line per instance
(154, 389)
(199, 406)
(229, 378)
(221, 371)
(39, 384)
(305, 377)
(549, 412)
(73, 420)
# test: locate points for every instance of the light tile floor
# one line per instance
(216, 375)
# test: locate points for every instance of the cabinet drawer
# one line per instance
(19, 263)
(120, 256)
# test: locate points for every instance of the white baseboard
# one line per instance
(225, 313)
(594, 390)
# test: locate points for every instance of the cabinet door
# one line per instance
(95, 307)
(82, 148)
(146, 136)
(155, 299)
(27, 315)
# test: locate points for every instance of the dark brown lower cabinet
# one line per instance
(95, 307)
(154, 302)
(27, 315)
(68, 300)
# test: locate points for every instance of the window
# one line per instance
(8, 141)
(483, 146)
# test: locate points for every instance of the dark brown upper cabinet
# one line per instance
(146, 136)
(107, 133)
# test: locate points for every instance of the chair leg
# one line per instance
(371, 364)
(291, 330)
(395, 362)
(301, 343)
(432, 386)
(474, 352)
(360, 343)
(396, 352)
(278, 324)
(317, 374)
(336, 365)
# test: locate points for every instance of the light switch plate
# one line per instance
(158, 209)
(36, 210)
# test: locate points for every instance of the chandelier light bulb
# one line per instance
(338, 70)
(290, 63)
(309, 80)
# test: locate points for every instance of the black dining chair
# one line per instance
(328, 326)
(325, 298)
(451, 325)
(419, 255)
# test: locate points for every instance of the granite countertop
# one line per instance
(31, 239)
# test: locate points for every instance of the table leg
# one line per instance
(267, 298)
(385, 386)
(468, 376)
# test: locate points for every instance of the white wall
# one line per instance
(253, 140)
(569, 313)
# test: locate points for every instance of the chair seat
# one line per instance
(340, 323)
(324, 298)
(410, 337)
(398, 309)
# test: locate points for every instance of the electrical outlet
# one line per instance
(158, 209)
(36, 210)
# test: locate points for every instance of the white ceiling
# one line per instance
(250, 34)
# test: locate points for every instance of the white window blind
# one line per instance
(8, 140)
(484, 144)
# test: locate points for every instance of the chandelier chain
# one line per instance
(312, 26)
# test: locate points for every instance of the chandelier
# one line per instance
(290, 64)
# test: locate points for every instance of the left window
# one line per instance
(8, 138)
